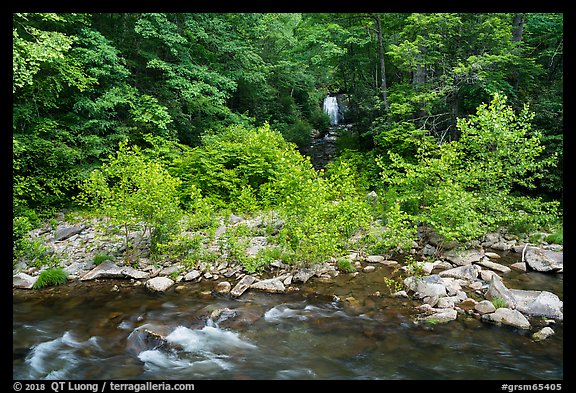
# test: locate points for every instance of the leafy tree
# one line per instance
(464, 188)
(135, 193)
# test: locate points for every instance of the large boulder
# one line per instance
(497, 290)
(538, 303)
(507, 316)
(67, 232)
(273, 285)
(544, 260)
(431, 285)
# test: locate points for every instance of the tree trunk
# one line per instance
(517, 31)
(383, 86)
(518, 27)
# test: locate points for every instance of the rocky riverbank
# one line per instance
(447, 282)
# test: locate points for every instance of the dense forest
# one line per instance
(169, 121)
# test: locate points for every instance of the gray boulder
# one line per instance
(538, 303)
(431, 285)
(272, 285)
(544, 260)
(66, 232)
(485, 262)
(159, 284)
(497, 290)
(467, 272)
(303, 275)
(192, 275)
(440, 316)
(462, 258)
(507, 316)
(23, 280)
(484, 307)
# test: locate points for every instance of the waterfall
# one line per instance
(331, 108)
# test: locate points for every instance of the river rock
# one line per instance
(462, 258)
(192, 275)
(242, 286)
(159, 284)
(168, 270)
(467, 272)
(143, 339)
(485, 307)
(497, 290)
(519, 266)
(303, 275)
(507, 316)
(488, 275)
(375, 259)
(490, 238)
(503, 245)
(223, 287)
(428, 250)
(484, 262)
(23, 280)
(368, 269)
(545, 260)
(467, 304)
(538, 303)
(431, 285)
(445, 302)
(109, 269)
(543, 334)
(440, 316)
(272, 285)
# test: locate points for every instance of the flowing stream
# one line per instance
(347, 328)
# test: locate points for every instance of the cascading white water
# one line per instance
(330, 106)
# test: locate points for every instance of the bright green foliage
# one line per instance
(322, 214)
(51, 277)
(134, 193)
(242, 168)
(499, 302)
(465, 187)
(398, 234)
(364, 171)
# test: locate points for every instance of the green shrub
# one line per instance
(241, 168)
(51, 277)
(345, 265)
(99, 258)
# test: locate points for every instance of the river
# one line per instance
(347, 328)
